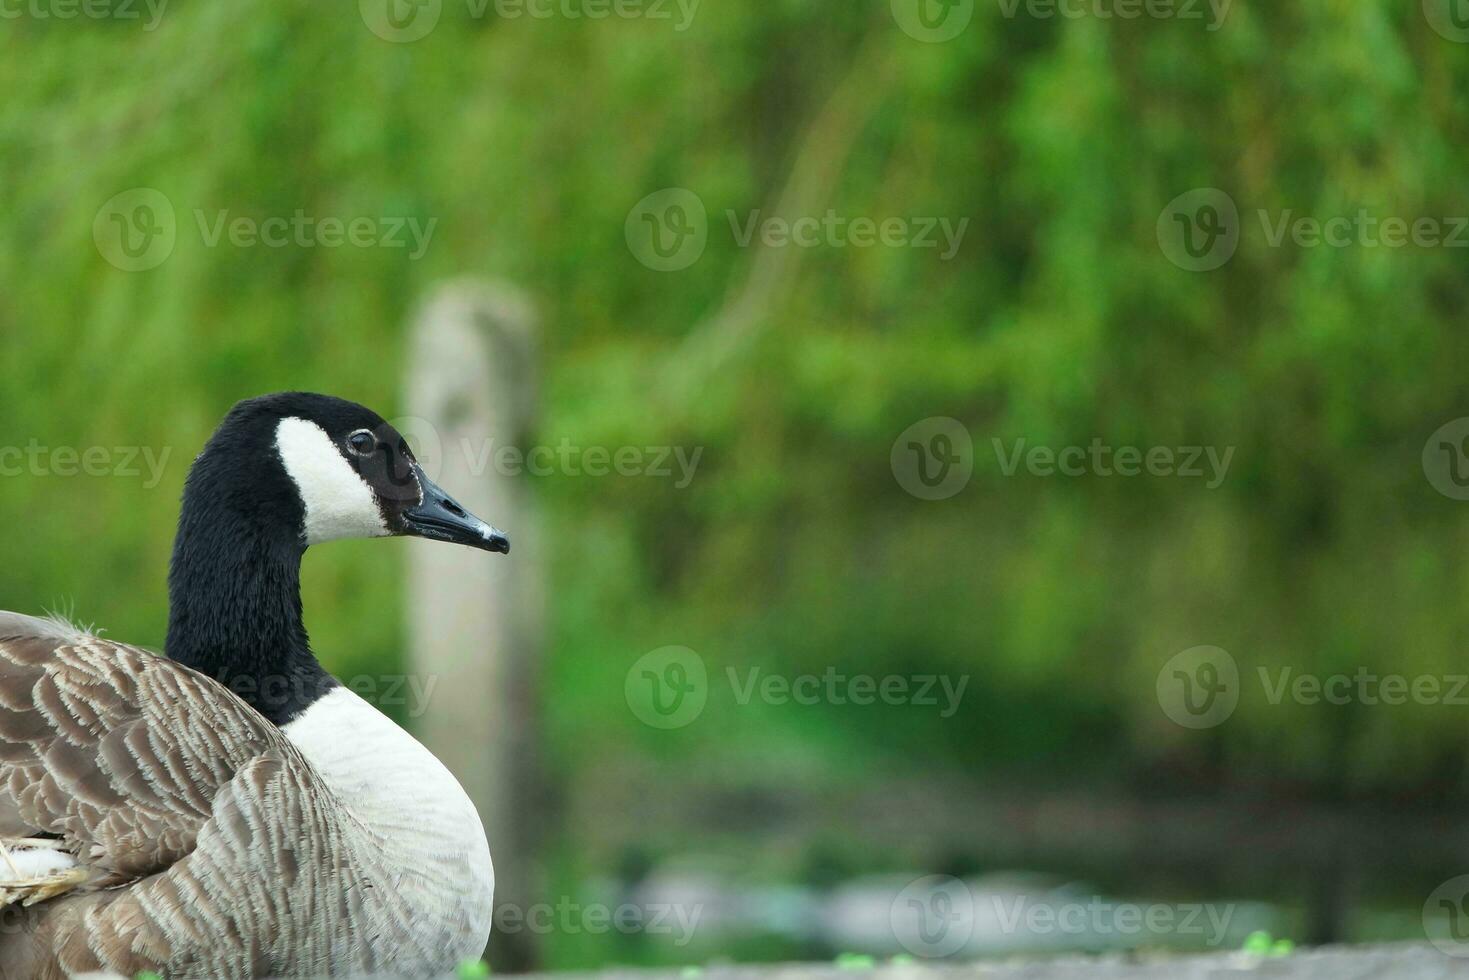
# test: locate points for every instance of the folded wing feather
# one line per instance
(153, 776)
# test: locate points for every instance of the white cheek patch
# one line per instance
(339, 503)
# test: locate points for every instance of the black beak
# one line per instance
(441, 518)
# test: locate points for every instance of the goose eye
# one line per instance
(362, 442)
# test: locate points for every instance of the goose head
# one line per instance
(319, 468)
(281, 473)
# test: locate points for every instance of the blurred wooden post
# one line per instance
(474, 619)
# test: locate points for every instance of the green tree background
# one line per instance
(1059, 321)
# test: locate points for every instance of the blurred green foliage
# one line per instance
(794, 549)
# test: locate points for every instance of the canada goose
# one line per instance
(233, 811)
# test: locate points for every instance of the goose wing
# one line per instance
(155, 777)
(116, 751)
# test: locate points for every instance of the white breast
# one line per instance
(427, 834)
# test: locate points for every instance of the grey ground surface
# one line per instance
(1397, 962)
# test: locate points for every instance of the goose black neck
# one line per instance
(234, 588)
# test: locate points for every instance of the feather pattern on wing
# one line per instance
(235, 857)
